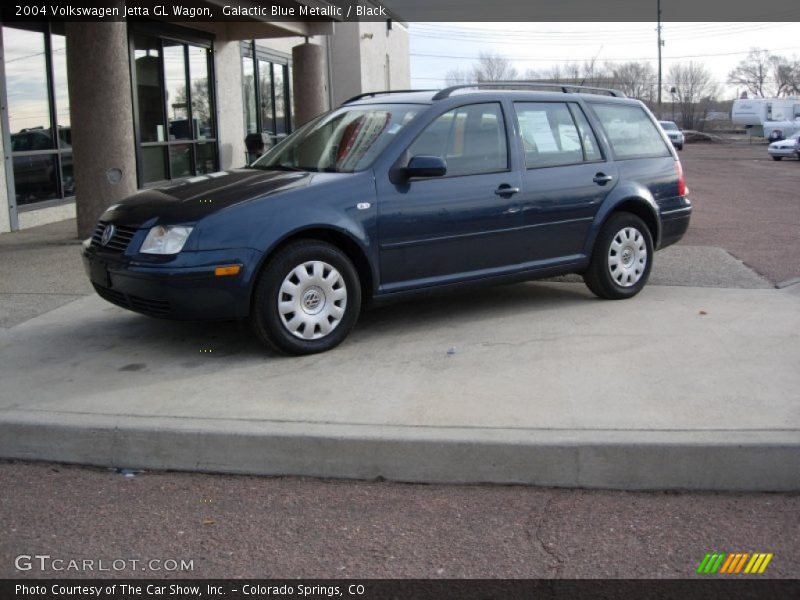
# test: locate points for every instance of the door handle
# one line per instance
(602, 178)
(506, 190)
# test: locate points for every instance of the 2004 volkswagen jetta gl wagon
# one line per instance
(400, 193)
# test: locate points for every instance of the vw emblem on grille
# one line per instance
(108, 233)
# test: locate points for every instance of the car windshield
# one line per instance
(669, 126)
(343, 141)
(794, 136)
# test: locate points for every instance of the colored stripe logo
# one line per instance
(734, 563)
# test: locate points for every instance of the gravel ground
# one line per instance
(746, 203)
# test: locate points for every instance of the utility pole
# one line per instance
(660, 43)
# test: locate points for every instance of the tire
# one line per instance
(679, 146)
(624, 242)
(307, 298)
(777, 157)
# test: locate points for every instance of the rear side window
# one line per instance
(471, 139)
(630, 131)
(551, 135)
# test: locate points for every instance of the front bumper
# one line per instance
(182, 286)
(784, 152)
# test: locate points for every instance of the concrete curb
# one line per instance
(748, 460)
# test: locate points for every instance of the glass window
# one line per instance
(471, 139)
(551, 137)
(343, 141)
(631, 133)
(175, 109)
(202, 103)
(175, 85)
(40, 147)
(265, 96)
(147, 59)
(249, 91)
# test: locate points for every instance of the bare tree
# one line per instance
(764, 74)
(493, 67)
(695, 89)
(634, 79)
(458, 77)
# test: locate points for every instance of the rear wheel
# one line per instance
(777, 157)
(307, 298)
(621, 259)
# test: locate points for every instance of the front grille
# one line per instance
(119, 240)
(154, 308)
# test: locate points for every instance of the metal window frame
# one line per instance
(250, 50)
(57, 151)
(185, 37)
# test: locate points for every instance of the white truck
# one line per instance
(765, 117)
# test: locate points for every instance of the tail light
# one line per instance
(682, 189)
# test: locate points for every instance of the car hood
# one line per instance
(192, 199)
(783, 144)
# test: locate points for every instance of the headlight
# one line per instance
(165, 240)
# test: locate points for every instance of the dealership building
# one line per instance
(102, 110)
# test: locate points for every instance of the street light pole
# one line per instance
(660, 43)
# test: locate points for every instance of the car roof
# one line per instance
(429, 96)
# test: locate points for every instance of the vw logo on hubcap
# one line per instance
(108, 233)
(313, 300)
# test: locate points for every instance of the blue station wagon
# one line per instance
(401, 193)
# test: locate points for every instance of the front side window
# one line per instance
(471, 139)
(555, 133)
(175, 112)
(631, 133)
(343, 141)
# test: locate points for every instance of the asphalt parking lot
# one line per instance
(746, 209)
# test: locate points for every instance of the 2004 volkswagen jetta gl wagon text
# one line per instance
(394, 194)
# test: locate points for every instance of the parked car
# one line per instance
(786, 148)
(398, 194)
(674, 133)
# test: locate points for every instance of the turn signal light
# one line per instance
(227, 270)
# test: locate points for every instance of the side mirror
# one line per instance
(425, 166)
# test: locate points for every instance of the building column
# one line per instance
(101, 112)
(309, 79)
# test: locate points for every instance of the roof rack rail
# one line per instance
(372, 94)
(567, 88)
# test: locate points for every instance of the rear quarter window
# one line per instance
(630, 131)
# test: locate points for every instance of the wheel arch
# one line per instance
(336, 237)
(637, 205)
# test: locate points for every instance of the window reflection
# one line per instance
(176, 123)
(41, 161)
(175, 82)
(265, 93)
(202, 108)
(147, 58)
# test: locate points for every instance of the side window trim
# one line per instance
(406, 155)
(574, 107)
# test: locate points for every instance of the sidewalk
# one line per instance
(539, 383)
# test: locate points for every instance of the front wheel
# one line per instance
(307, 298)
(777, 157)
(621, 259)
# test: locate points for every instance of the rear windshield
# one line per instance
(343, 141)
(669, 126)
(630, 131)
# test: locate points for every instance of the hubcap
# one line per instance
(627, 257)
(312, 300)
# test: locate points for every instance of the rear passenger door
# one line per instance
(566, 179)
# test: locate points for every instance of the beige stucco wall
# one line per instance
(359, 59)
(230, 120)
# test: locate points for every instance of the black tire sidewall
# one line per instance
(265, 317)
(599, 278)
